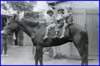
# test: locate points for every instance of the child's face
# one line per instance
(60, 12)
(50, 14)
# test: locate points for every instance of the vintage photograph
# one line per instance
(50, 33)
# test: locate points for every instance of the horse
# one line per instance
(36, 31)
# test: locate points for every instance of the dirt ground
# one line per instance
(23, 56)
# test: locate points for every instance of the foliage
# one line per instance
(21, 6)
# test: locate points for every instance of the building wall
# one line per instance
(92, 19)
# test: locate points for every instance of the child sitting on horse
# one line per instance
(50, 19)
(66, 19)
(69, 18)
(61, 20)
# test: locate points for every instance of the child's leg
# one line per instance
(63, 31)
(47, 30)
(46, 33)
(56, 29)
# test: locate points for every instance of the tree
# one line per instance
(21, 6)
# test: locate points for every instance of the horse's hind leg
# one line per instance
(83, 51)
(84, 54)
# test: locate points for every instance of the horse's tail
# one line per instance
(84, 47)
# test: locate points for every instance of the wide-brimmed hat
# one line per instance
(60, 10)
(50, 11)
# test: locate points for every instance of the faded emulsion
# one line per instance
(49, 32)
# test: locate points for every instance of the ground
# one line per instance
(23, 56)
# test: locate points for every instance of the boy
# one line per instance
(66, 19)
(61, 19)
(50, 19)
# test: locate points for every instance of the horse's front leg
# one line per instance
(36, 56)
(41, 56)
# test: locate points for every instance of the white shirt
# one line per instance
(50, 19)
(59, 16)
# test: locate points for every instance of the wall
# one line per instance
(92, 26)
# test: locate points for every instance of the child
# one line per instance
(61, 19)
(50, 19)
(65, 18)
(69, 18)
